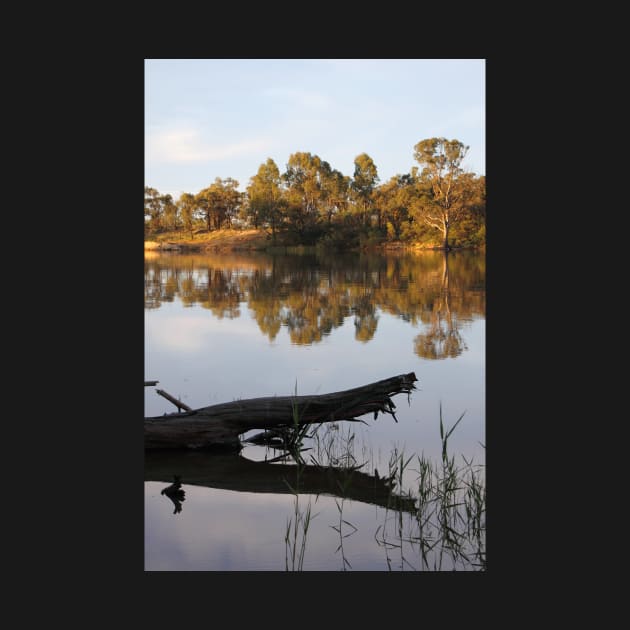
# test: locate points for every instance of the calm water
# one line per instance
(229, 326)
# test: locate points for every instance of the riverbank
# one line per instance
(248, 240)
(218, 240)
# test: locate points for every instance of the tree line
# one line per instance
(311, 202)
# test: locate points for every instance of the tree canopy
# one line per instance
(437, 203)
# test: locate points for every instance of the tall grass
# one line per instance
(298, 525)
(445, 531)
(296, 534)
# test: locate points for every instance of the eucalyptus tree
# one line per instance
(231, 200)
(186, 204)
(363, 184)
(265, 198)
(335, 186)
(303, 178)
(170, 212)
(446, 203)
(205, 202)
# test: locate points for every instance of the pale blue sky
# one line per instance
(208, 118)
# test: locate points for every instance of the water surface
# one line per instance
(223, 327)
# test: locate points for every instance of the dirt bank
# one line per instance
(219, 240)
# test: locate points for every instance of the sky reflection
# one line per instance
(219, 331)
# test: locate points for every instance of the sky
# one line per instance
(208, 118)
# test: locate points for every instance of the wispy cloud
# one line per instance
(187, 145)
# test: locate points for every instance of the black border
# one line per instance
(109, 517)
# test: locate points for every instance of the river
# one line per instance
(222, 327)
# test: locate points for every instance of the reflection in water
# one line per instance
(241, 514)
(234, 472)
(311, 295)
(175, 493)
(442, 338)
(433, 521)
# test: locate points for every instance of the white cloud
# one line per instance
(187, 145)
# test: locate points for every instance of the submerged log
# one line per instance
(220, 425)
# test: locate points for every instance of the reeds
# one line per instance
(295, 535)
(445, 531)
(448, 529)
(293, 439)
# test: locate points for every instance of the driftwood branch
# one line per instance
(220, 425)
(178, 403)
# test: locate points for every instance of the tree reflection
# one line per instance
(312, 295)
(365, 317)
(442, 338)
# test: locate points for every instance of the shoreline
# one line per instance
(256, 240)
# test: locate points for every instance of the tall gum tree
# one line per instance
(186, 205)
(441, 160)
(169, 212)
(363, 183)
(303, 178)
(231, 201)
(335, 186)
(206, 200)
(265, 197)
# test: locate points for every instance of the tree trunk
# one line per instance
(220, 425)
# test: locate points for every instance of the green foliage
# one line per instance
(267, 204)
(186, 205)
(372, 237)
(340, 237)
(395, 199)
(311, 203)
(450, 187)
(160, 213)
(362, 186)
(219, 203)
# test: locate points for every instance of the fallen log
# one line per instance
(219, 426)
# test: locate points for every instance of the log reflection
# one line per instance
(234, 472)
